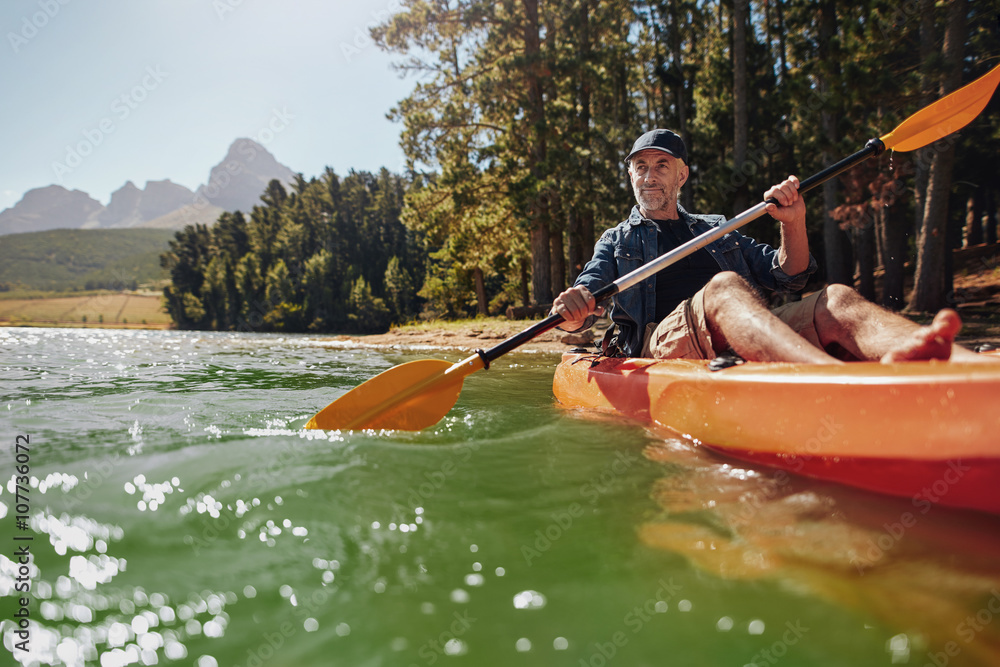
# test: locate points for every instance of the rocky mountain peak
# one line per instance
(49, 207)
(234, 184)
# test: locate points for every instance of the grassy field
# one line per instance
(66, 259)
(108, 309)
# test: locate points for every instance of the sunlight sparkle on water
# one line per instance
(529, 600)
(100, 623)
(456, 647)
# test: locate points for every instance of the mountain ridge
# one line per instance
(49, 207)
(235, 183)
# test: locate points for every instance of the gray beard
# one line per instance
(652, 202)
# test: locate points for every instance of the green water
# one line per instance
(179, 514)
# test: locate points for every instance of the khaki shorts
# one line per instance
(683, 334)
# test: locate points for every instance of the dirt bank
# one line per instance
(467, 337)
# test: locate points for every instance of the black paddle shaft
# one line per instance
(550, 322)
(872, 148)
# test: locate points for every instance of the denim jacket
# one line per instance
(632, 243)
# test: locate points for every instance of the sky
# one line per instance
(94, 94)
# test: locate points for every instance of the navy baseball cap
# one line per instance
(660, 140)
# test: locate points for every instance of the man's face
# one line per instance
(657, 178)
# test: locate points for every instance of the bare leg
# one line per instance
(873, 333)
(935, 341)
(738, 319)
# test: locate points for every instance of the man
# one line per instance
(711, 302)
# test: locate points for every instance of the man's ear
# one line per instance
(685, 172)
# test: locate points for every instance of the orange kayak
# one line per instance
(929, 431)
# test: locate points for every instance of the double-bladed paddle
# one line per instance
(418, 394)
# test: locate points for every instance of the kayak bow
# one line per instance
(929, 431)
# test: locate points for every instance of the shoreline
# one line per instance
(69, 324)
(448, 336)
(468, 337)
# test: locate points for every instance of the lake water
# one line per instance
(177, 513)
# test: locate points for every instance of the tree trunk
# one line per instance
(972, 234)
(587, 235)
(836, 244)
(576, 250)
(481, 302)
(660, 107)
(680, 94)
(525, 295)
(782, 47)
(579, 251)
(864, 244)
(893, 229)
(990, 217)
(931, 289)
(541, 265)
(557, 254)
(922, 156)
(741, 120)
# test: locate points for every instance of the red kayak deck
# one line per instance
(929, 431)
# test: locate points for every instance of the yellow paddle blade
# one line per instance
(949, 114)
(409, 397)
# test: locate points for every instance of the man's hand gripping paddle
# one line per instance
(418, 394)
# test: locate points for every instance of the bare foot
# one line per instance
(933, 341)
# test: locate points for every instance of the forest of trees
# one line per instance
(515, 131)
(332, 255)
